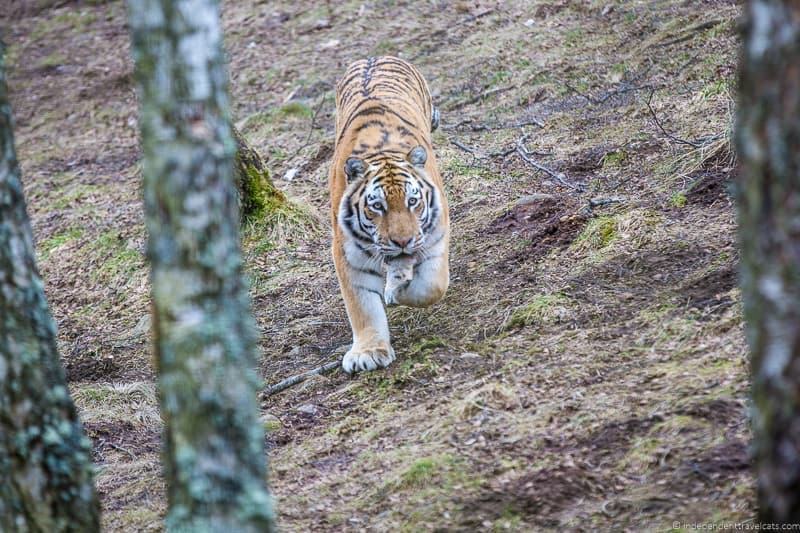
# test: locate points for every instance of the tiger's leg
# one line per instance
(362, 289)
(430, 281)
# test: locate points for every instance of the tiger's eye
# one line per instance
(377, 206)
(412, 202)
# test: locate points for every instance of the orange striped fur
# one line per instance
(388, 206)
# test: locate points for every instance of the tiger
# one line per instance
(388, 206)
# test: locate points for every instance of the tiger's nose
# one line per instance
(402, 242)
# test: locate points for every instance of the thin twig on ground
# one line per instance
(504, 153)
(481, 96)
(599, 202)
(602, 99)
(476, 16)
(524, 153)
(462, 146)
(497, 126)
(299, 378)
(689, 33)
(478, 154)
(558, 176)
(693, 144)
(119, 448)
(311, 128)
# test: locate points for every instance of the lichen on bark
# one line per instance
(45, 464)
(768, 139)
(204, 332)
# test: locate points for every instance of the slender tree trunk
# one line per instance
(768, 136)
(205, 336)
(45, 467)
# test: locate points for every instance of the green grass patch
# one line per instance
(384, 47)
(47, 246)
(573, 37)
(419, 473)
(269, 229)
(76, 20)
(69, 196)
(615, 159)
(119, 260)
(599, 232)
(53, 60)
(714, 89)
(427, 345)
(542, 309)
(678, 200)
(295, 109)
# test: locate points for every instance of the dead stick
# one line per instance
(663, 130)
(459, 144)
(311, 128)
(560, 177)
(294, 380)
(599, 202)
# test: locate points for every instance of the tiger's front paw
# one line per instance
(359, 359)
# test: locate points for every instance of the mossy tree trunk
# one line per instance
(768, 137)
(257, 193)
(204, 333)
(45, 467)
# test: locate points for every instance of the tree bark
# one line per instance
(256, 193)
(768, 138)
(45, 466)
(204, 333)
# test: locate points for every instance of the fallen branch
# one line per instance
(672, 137)
(299, 378)
(481, 96)
(462, 146)
(492, 127)
(558, 176)
(311, 128)
(688, 33)
(504, 153)
(478, 154)
(602, 99)
(599, 202)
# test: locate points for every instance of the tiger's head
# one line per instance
(392, 206)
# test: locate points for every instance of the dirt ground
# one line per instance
(587, 369)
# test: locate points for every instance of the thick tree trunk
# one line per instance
(769, 215)
(45, 467)
(205, 336)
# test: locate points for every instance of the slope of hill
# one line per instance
(587, 368)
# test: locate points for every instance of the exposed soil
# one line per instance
(586, 370)
(546, 222)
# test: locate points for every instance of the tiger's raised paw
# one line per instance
(390, 293)
(399, 274)
(364, 360)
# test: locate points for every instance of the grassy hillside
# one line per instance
(587, 368)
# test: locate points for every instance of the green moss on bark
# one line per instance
(45, 468)
(768, 135)
(258, 195)
(204, 331)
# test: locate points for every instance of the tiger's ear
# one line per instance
(354, 169)
(435, 116)
(417, 156)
